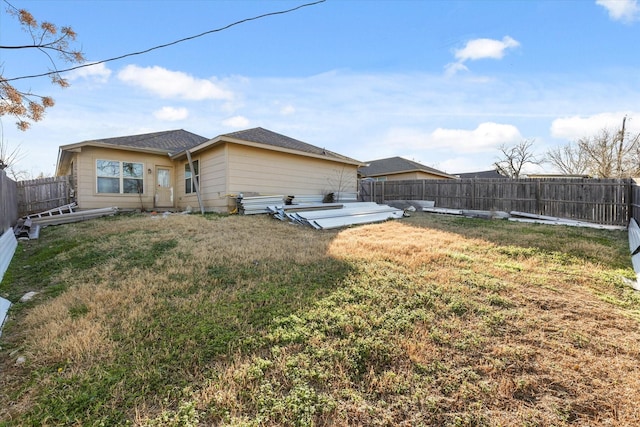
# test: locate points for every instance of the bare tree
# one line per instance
(9, 157)
(51, 41)
(611, 154)
(515, 157)
(569, 160)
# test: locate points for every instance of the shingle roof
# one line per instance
(481, 174)
(267, 137)
(171, 141)
(393, 165)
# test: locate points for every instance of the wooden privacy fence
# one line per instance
(38, 195)
(603, 201)
(8, 202)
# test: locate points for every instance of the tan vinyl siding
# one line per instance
(87, 195)
(212, 169)
(254, 170)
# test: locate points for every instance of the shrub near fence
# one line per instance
(38, 195)
(8, 202)
(603, 201)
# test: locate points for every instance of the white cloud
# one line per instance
(453, 67)
(485, 48)
(171, 114)
(576, 127)
(487, 136)
(287, 110)
(480, 49)
(97, 72)
(459, 164)
(621, 10)
(236, 122)
(172, 84)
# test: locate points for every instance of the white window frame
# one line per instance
(121, 176)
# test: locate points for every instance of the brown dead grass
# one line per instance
(560, 354)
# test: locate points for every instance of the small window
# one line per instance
(190, 178)
(119, 177)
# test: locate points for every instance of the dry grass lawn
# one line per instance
(429, 320)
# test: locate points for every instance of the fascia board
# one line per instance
(78, 147)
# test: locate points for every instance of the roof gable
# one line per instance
(266, 137)
(396, 164)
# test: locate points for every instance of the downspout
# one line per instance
(195, 181)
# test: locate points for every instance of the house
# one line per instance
(397, 168)
(482, 174)
(177, 169)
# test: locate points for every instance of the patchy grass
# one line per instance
(429, 320)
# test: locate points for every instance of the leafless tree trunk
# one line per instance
(515, 157)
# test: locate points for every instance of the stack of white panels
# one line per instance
(349, 214)
(634, 248)
(8, 245)
(258, 204)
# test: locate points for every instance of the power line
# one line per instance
(242, 21)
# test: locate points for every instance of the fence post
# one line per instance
(473, 193)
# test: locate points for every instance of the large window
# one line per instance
(119, 177)
(191, 177)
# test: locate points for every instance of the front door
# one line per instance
(164, 187)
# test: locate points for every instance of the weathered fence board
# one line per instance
(42, 194)
(634, 196)
(603, 201)
(8, 202)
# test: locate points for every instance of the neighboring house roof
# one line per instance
(557, 175)
(396, 165)
(264, 138)
(481, 174)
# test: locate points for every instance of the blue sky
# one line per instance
(444, 83)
